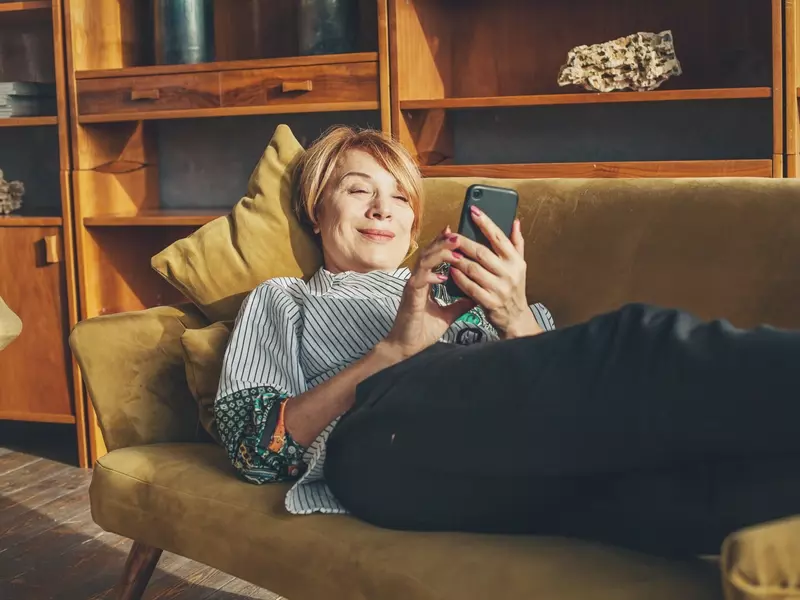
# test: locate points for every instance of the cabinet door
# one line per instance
(35, 380)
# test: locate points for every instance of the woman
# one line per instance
(382, 398)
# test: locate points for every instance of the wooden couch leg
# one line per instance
(139, 568)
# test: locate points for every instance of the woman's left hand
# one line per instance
(495, 277)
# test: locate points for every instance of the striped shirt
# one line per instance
(292, 335)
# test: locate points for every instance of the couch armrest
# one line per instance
(762, 562)
(133, 367)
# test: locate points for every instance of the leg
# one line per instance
(687, 510)
(506, 436)
(139, 568)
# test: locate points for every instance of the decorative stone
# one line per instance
(641, 61)
(10, 195)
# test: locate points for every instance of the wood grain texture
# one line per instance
(329, 84)
(249, 29)
(792, 47)
(709, 168)
(16, 415)
(28, 121)
(384, 76)
(139, 567)
(519, 46)
(588, 98)
(777, 81)
(18, 220)
(51, 548)
(35, 369)
(259, 63)
(156, 218)
(107, 35)
(233, 111)
(29, 5)
(120, 278)
(148, 93)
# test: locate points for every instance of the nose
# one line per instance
(381, 207)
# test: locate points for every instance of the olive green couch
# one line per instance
(718, 247)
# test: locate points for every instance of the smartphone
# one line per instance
(497, 203)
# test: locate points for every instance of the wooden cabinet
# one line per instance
(156, 92)
(35, 370)
(313, 84)
(39, 380)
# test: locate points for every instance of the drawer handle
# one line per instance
(52, 249)
(297, 86)
(145, 94)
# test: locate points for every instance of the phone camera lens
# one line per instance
(477, 194)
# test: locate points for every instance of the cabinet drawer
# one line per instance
(316, 84)
(148, 93)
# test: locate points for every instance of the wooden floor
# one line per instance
(51, 548)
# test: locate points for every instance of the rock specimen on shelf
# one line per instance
(10, 195)
(640, 61)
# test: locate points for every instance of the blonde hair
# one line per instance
(317, 166)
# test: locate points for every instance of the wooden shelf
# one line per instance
(261, 63)
(14, 220)
(588, 98)
(30, 5)
(239, 111)
(28, 121)
(9, 415)
(157, 218)
(689, 168)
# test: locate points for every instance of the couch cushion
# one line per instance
(184, 498)
(763, 562)
(203, 351)
(217, 265)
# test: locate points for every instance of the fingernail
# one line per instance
(475, 210)
(447, 230)
(441, 276)
(457, 255)
(452, 238)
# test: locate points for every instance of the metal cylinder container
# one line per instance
(183, 31)
(328, 26)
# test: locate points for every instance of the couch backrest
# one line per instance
(718, 247)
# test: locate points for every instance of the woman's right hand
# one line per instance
(420, 320)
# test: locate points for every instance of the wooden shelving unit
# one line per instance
(456, 73)
(792, 95)
(139, 128)
(587, 98)
(41, 382)
(156, 218)
(28, 121)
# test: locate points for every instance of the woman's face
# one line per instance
(364, 220)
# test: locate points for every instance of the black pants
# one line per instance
(642, 427)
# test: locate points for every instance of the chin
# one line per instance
(380, 262)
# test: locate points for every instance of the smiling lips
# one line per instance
(377, 235)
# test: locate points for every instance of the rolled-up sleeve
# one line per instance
(543, 316)
(261, 370)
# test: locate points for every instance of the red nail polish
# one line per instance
(475, 210)
(457, 255)
(452, 239)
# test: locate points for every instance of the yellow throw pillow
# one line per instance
(203, 351)
(261, 238)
